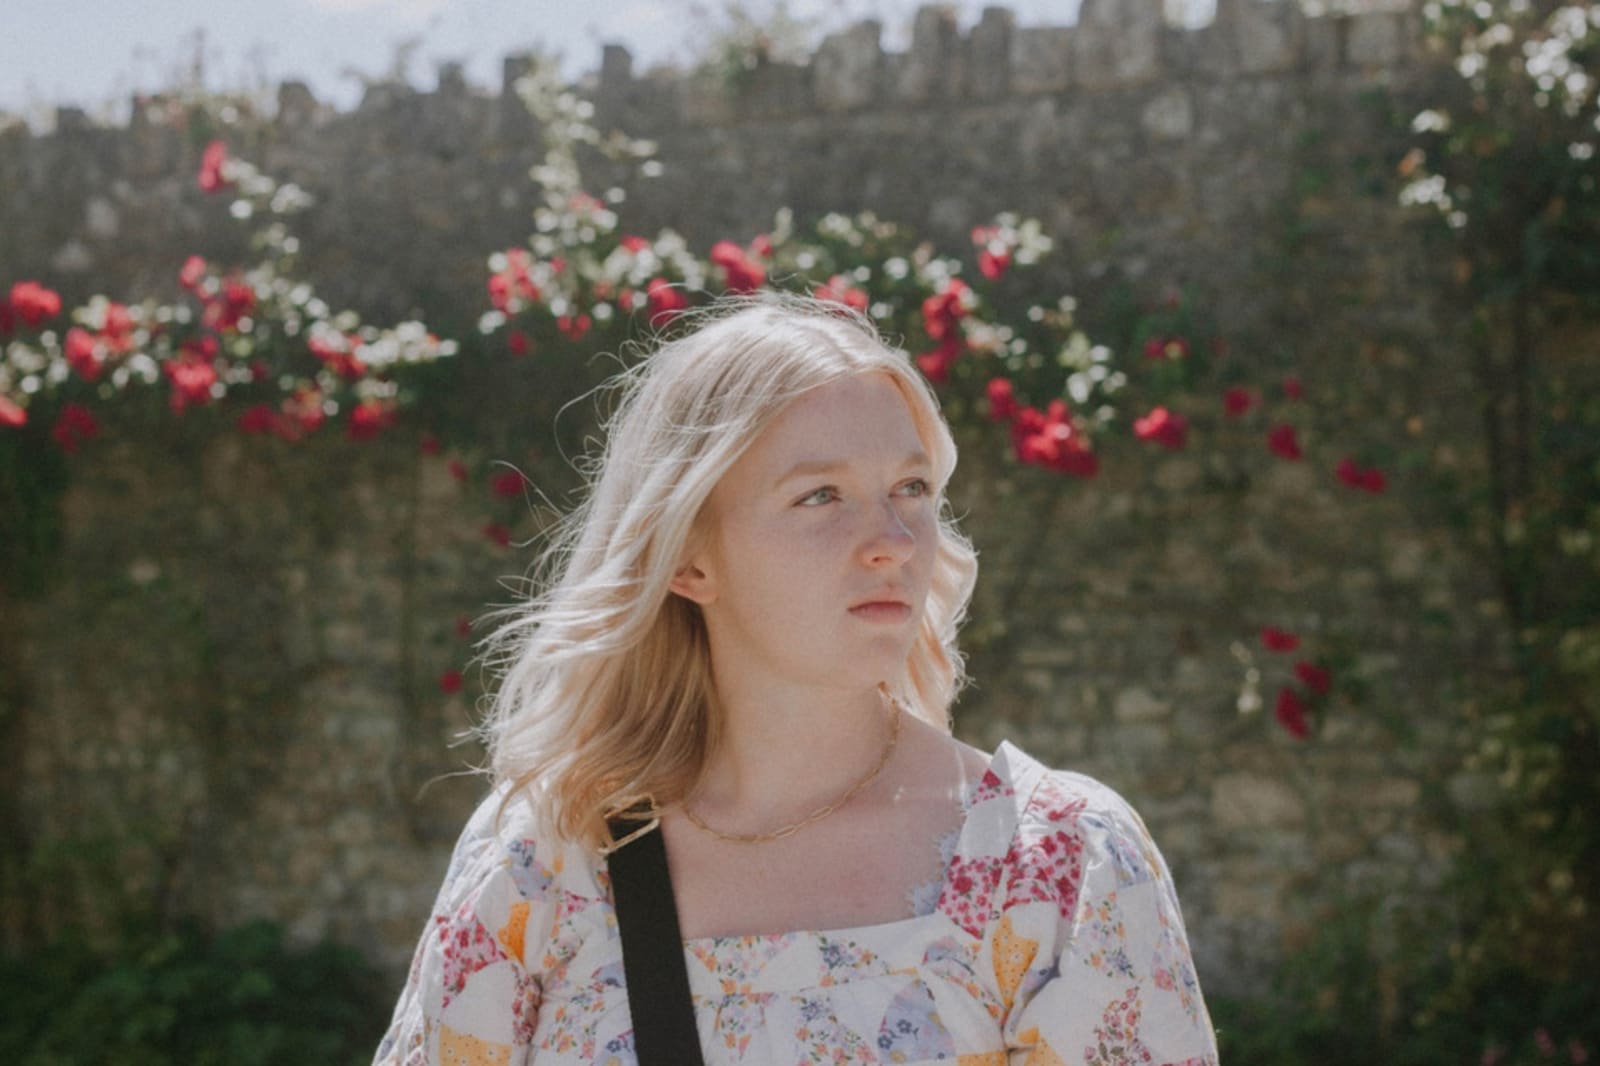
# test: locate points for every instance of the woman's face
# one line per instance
(821, 541)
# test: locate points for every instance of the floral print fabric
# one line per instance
(1056, 938)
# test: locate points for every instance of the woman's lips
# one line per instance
(882, 612)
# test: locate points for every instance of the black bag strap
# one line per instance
(664, 1032)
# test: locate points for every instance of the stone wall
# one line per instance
(229, 695)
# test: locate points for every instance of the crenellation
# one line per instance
(1118, 43)
(989, 54)
(297, 107)
(1041, 60)
(933, 67)
(847, 69)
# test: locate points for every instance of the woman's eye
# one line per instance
(826, 490)
(918, 487)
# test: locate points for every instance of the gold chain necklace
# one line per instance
(820, 812)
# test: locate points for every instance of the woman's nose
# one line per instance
(891, 540)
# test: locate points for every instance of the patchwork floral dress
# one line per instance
(1055, 937)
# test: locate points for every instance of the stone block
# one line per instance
(1269, 37)
(847, 71)
(1252, 801)
(1117, 43)
(779, 89)
(1041, 59)
(932, 68)
(989, 54)
(1375, 39)
(1324, 37)
(1137, 704)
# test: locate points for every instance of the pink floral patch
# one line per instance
(990, 788)
(1045, 863)
(1117, 1036)
(969, 892)
(467, 947)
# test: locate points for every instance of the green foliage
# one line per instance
(33, 474)
(241, 998)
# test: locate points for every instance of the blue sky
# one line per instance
(95, 54)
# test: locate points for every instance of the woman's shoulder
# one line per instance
(504, 838)
(1053, 824)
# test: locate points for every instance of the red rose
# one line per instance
(937, 363)
(507, 483)
(1314, 677)
(1166, 428)
(500, 292)
(458, 470)
(83, 353)
(839, 290)
(1275, 639)
(191, 382)
(762, 246)
(258, 419)
(1281, 439)
(33, 303)
(12, 416)
(369, 418)
(1368, 479)
(1002, 400)
(993, 264)
(666, 301)
(1292, 387)
(118, 329)
(74, 425)
(450, 682)
(574, 326)
(1053, 440)
(742, 273)
(428, 444)
(226, 310)
(193, 272)
(635, 244)
(942, 312)
(1238, 400)
(1291, 714)
(212, 162)
(497, 533)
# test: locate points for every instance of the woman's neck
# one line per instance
(785, 754)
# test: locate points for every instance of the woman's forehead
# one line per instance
(862, 416)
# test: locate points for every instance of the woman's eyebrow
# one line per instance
(814, 467)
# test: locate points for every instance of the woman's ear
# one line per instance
(693, 584)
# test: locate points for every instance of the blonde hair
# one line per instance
(605, 689)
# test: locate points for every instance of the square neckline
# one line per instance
(969, 796)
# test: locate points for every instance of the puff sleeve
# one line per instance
(470, 996)
(1089, 947)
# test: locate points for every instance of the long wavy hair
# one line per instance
(605, 689)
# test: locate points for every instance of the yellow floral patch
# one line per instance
(987, 1058)
(512, 933)
(1013, 954)
(463, 1049)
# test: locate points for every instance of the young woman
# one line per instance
(751, 622)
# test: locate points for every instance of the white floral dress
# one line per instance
(1055, 937)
